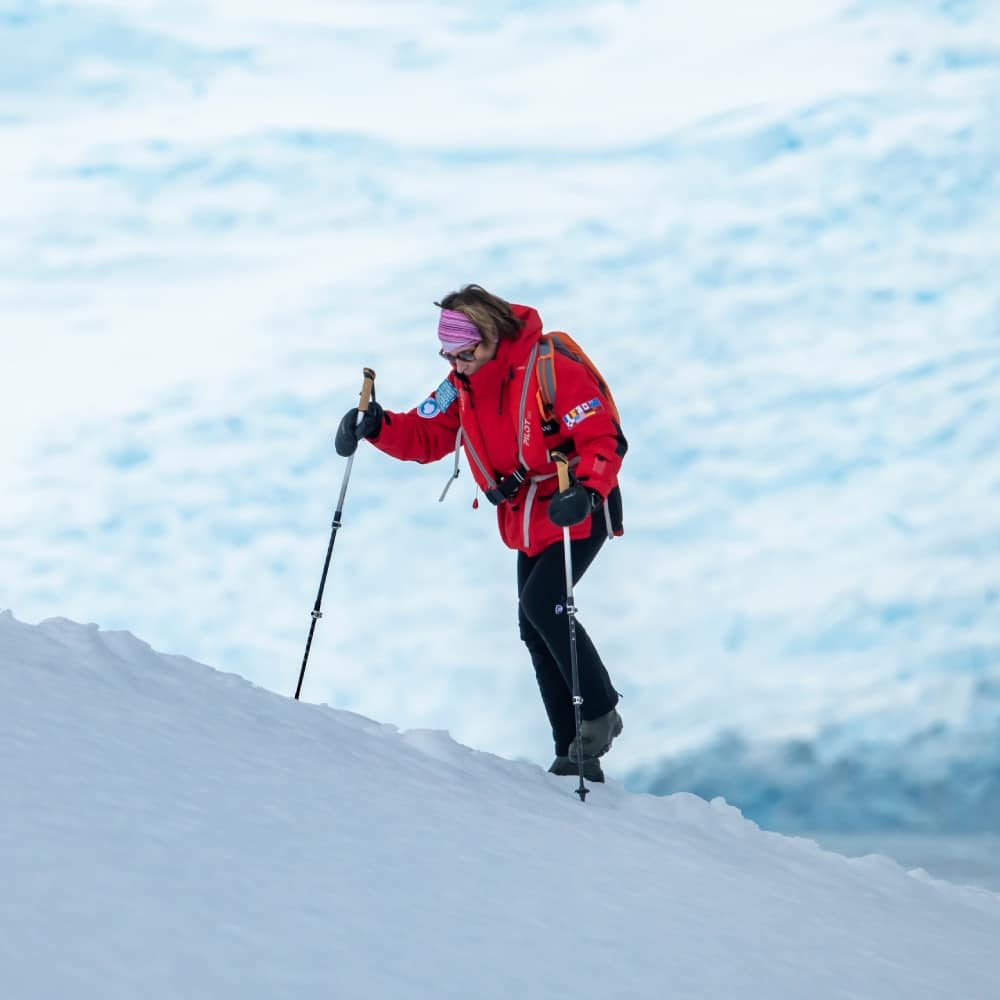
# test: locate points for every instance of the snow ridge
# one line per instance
(173, 830)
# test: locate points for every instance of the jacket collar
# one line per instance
(511, 353)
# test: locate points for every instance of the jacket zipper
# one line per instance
(509, 377)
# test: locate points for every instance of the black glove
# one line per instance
(350, 432)
(573, 505)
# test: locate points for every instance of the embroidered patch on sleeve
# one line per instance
(581, 411)
(444, 395)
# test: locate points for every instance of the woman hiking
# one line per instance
(514, 395)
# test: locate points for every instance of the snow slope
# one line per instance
(170, 831)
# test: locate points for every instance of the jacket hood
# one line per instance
(517, 350)
(510, 353)
(532, 328)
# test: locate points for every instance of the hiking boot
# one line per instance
(596, 736)
(564, 766)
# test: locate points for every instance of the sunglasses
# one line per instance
(468, 355)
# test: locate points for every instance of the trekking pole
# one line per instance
(366, 394)
(562, 469)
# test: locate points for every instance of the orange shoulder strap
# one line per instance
(545, 368)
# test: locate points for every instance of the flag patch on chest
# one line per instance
(581, 411)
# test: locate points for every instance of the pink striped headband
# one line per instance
(455, 329)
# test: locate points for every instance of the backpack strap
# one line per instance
(545, 368)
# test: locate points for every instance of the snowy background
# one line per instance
(776, 228)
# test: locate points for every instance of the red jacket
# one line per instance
(502, 429)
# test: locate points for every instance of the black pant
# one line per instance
(541, 590)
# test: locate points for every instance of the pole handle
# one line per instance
(366, 389)
(562, 469)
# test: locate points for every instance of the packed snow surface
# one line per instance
(172, 831)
